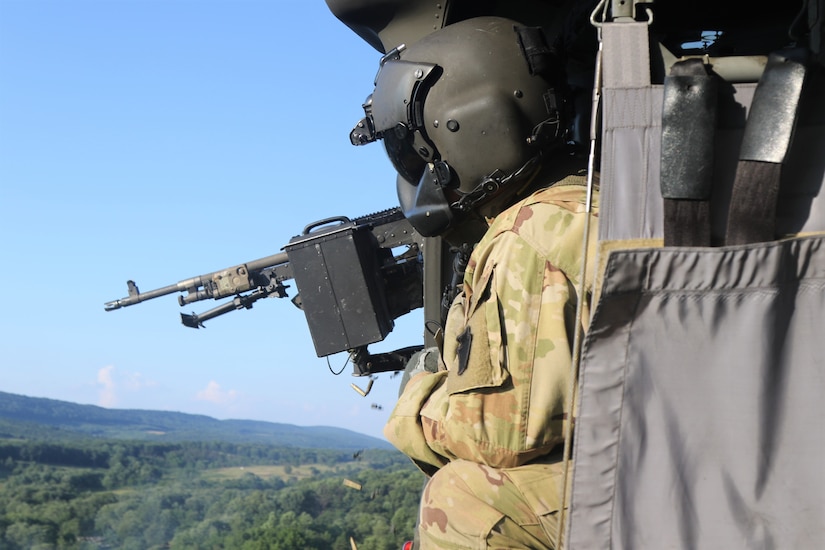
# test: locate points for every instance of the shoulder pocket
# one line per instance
(476, 351)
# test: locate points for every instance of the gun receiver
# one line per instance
(351, 284)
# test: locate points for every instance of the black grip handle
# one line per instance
(313, 225)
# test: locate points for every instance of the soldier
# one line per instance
(475, 119)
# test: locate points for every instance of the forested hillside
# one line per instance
(50, 418)
(94, 494)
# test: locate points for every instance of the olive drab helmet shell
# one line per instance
(464, 115)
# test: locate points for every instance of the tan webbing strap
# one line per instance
(626, 55)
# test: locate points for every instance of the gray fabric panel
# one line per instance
(631, 198)
(702, 418)
(631, 202)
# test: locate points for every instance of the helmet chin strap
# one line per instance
(428, 210)
(546, 133)
(493, 183)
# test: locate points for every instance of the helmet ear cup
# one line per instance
(484, 131)
(490, 106)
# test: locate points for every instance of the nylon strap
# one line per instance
(688, 128)
(541, 57)
(768, 135)
(626, 55)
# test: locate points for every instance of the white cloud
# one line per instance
(136, 381)
(105, 378)
(113, 384)
(215, 394)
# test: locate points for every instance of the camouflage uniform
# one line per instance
(488, 425)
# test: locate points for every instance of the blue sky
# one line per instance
(157, 140)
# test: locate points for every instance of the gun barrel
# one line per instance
(192, 285)
(269, 261)
(137, 297)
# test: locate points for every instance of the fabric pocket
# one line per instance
(477, 357)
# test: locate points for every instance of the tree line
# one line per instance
(137, 495)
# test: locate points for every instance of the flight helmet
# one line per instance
(466, 115)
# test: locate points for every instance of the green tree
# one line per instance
(27, 536)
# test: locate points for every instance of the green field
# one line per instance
(267, 472)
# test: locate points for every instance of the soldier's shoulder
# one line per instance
(532, 213)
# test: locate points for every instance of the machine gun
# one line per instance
(351, 285)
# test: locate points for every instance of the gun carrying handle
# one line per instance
(341, 219)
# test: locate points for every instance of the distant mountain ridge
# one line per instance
(41, 418)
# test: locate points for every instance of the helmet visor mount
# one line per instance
(398, 114)
(395, 113)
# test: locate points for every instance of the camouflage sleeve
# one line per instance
(404, 428)
(507, 345)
